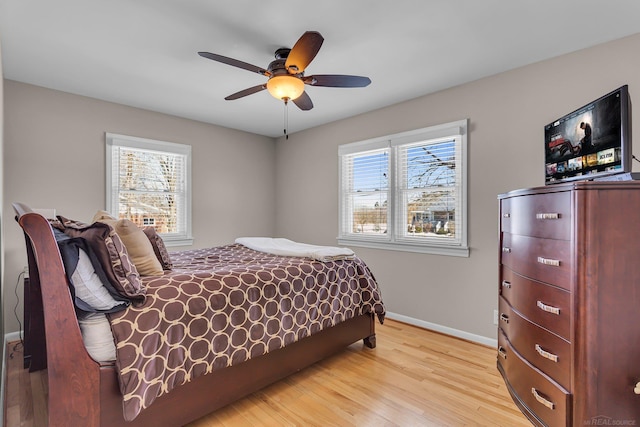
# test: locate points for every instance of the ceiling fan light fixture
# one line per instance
(285, 87)
(286, 79)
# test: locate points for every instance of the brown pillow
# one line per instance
(113, 256)
(158, 247)
(138, 246)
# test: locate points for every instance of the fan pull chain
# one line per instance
(286, 117)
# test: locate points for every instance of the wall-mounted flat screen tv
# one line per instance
(591, 142)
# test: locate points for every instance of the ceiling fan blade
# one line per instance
(303, 102)
(336, 80)
(235, 63)
(248, 91)
(303, 52)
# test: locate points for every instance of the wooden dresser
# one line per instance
(569, 302)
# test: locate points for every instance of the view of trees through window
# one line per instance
(429, 171)
(426, 190)
(149, 188)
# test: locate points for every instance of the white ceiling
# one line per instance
(143, 53)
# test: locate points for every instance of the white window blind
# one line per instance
(366, 193)
(429, 196)
(148, 183)
(406, 191)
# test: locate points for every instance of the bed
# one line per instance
(179, 361)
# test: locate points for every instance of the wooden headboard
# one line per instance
(67, 359)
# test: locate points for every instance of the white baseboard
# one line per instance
(12, 336)
(491, 342)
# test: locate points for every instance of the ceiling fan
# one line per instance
(286, 73)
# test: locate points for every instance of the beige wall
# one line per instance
(2, 309)
(241, 181)
(507, 113)
(59, 139)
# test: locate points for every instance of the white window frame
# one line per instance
(394, 239)
(116, 140)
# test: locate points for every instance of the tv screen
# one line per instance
(591, 142)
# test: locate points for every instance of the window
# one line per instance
(148, 182)
(406, 191)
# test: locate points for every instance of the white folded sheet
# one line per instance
(286, 247)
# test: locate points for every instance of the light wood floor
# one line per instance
(413, 377)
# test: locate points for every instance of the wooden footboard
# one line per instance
(205, 394)
(84, 392)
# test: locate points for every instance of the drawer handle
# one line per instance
(548, 308)
(546, 354)
(503, 353)
(506, 284)
(542, 400)
(504, 318)
(549, 261)
(505, 249)
(636, 390)
(547, 215)
(506, 215)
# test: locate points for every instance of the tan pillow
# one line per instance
(100, 215)
(138, 245)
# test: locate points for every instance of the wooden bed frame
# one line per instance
(85, 392)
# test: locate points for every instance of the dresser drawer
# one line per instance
(545, 305)
(540, 394)
(541, 215)
(546, 260)
(544, 350)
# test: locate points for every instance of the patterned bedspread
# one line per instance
(222, 306)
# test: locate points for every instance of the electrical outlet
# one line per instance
(495, 317)
(25, 271)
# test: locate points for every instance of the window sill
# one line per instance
(177, 241)
(459, 251)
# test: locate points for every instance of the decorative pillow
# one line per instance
(90, 287)
(138, 246)
(158, 247)
(100, 215)
(97, 337)
(112, 254)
